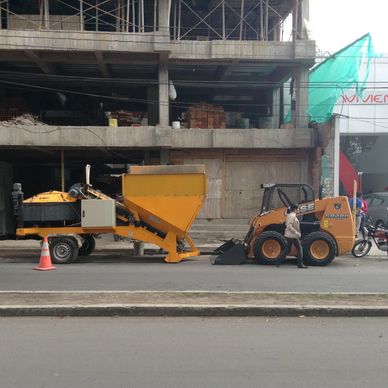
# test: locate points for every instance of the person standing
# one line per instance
(364, 214)
(292, 234)
(358, 211)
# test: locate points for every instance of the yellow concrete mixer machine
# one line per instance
(158, 206)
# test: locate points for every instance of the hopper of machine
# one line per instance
(166, 200)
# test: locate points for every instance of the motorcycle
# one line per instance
(370, 233)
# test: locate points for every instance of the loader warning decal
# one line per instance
(306, 207)
(338, 216)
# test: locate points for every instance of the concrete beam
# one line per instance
(281, 74)
(70, 41)
(301, 50)
(122, 58)
(146, 137)
(46, 68)
(224, 72)
(278, 52)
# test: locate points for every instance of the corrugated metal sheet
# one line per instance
(212, 205)
(243, 194)
(235, 191)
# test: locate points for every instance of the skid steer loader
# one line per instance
(327, 228)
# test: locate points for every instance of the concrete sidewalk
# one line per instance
(191, 303)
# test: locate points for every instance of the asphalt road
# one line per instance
(193, 352)
(115, 270)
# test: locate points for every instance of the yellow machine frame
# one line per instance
(163, 201)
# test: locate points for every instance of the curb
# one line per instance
(191, 304)
(192, 311)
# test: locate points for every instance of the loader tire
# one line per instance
(63, 250)
(269, 247)
(319, 249)
(88, 245)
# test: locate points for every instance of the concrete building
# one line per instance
(362, 132)
(69, 62)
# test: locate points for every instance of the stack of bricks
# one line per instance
(206, 116)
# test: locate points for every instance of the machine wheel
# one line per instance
(88, 245)
(269, 247)
(361, 248)
(319, 249)
(63, 250)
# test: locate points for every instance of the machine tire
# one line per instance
(319, 249)
(63, 250)
(88, 245)
(269, 247)
(361, 248)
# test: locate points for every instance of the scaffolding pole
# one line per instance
(133, 17)
(118, 24)
(127, 16)
(242, 18)
(155, 14)
(81, 15)
(142, 15)
(266, 20)
(46, 14)
(174, 28)
(179, 19)
(138, 16)
(223, 21)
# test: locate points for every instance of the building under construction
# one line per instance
(114, 83)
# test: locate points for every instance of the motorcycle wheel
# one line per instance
(361, 248)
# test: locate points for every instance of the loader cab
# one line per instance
(277, 195)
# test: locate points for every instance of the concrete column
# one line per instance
(306, 9)
(301, 93)
(164, 10)
(164, 119)
(138, 248)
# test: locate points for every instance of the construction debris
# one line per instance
(126, 119)
(25, 119)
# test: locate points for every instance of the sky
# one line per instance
(336, 23)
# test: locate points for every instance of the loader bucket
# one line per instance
(233, 252)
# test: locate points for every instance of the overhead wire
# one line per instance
(180, 104)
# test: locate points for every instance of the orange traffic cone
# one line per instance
(45, 258)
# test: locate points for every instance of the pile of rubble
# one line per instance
(25, 119)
